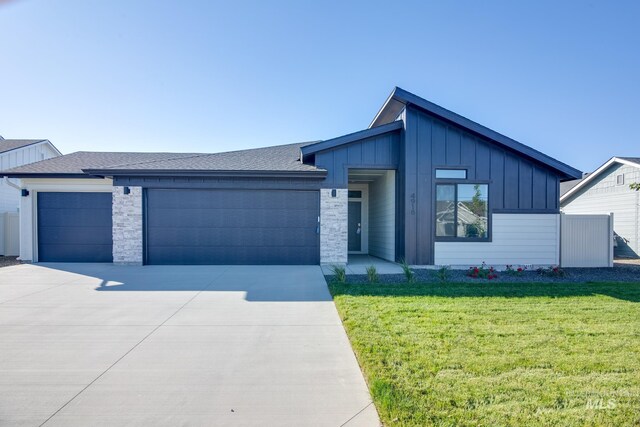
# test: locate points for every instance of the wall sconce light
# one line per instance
(333, 193)
(24, 192)
(126, 190)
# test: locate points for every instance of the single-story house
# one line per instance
(420, 184)
(13, 153)
(605, 191)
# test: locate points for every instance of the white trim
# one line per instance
(29, 216)
(597, 172)
(364, 215)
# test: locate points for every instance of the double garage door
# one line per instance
(187, 227)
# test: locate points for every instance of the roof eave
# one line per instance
(407, 98)
(48, 175)
(315, 174)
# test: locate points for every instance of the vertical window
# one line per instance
(462, 211)
(620, 179)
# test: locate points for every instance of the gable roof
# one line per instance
(14, 144)
(630, 161)
(568, 185)
(400, 98)
(311, 149)
(265, 161)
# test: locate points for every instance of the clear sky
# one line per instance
(124, 75)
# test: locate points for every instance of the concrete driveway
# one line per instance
(98, 344)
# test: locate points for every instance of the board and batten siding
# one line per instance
(516, 184)
(380, 151)
(518, 239)
(603, 196)
(382, 216)
(9, 196)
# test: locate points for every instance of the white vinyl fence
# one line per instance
(586, 240)
(9, 234)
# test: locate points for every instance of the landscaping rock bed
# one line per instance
(619, 273)
(6, 261)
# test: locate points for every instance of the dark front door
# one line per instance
(232, 227)
(74, 227)
(355, 230)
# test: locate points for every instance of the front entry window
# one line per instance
(462, 211)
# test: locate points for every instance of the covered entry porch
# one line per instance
(372, 214)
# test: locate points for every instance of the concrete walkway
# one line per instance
(97, 344)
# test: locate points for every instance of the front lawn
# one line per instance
(495, 354)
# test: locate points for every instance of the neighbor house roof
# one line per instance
(268, 160)
(14, 144)
(568, 185)
(400, 98)
(631, 161)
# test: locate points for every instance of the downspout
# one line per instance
(11, 184)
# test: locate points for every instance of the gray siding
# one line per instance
(377, 152)
(516, 185)
(382, 217)
(603, 196)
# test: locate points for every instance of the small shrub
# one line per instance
(443, 273)
(372, 274)
(553, 271)
(515, 271)
(408, 272)
(339, 274)
(482, 272)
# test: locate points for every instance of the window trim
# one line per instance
(620, 175)
(450, 168)
(455, 183)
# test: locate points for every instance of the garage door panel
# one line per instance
(74, 236)
(57, 217)
(280, 237)
(232, 227)
(74, 227)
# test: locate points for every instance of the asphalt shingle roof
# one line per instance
(632, 159)
(283, 158)
(12, 144)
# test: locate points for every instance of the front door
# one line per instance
(355, 226)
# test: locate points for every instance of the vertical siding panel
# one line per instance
(483, 161)
(424, 203)
(438, 143)
(553, 199)
(453, 147)
(496, 190)
(369, 152)
(382, 151)
(468, 155)
(410, 222)
(325, 161)
(539, 189)
(395, 148)
(526, 185)
(340, 159)
(355, 154)
(510, 182)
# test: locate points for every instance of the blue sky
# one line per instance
(562, 77)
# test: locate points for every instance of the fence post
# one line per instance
(611, 237)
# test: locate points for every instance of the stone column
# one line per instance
(334, 226)
(127, 226)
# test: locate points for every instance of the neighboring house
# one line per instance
(421, 184)
(607, 191)
(13, 153)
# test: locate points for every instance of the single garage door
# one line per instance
(74, 227)
(232, 227)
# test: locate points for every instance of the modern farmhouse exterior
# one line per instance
(421, 184)
(605, 191)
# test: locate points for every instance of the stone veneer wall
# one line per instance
(333, 226)
(127, 226)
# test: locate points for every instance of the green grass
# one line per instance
(493, 354)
